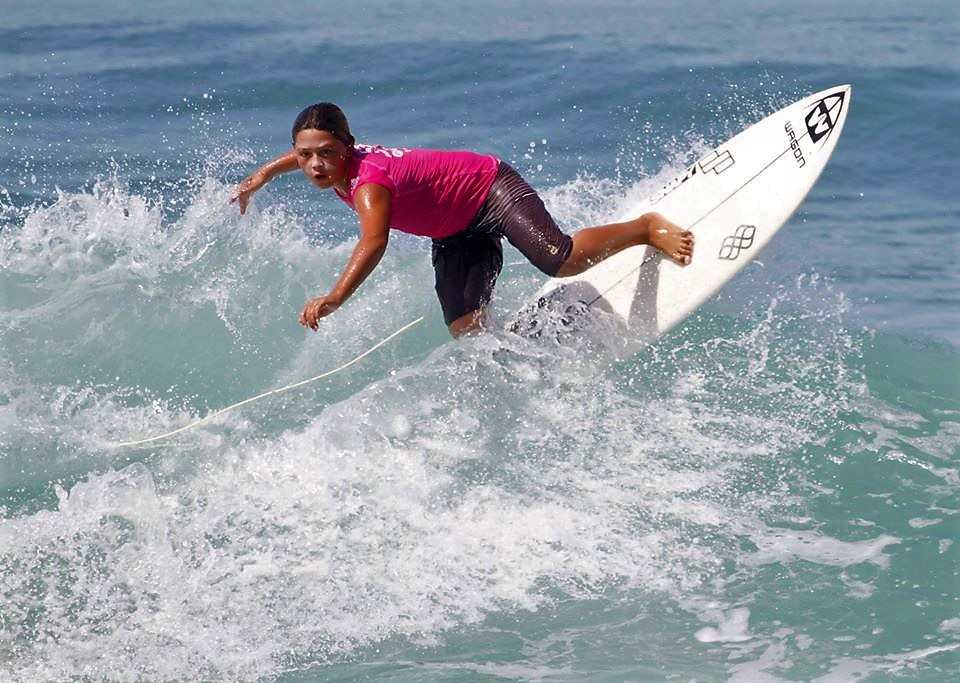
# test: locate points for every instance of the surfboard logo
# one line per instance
(822, 119)
(740, 240)
(716, 161)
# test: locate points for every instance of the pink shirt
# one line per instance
(434, 194)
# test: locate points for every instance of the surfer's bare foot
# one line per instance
(675, 242)
(593, 245)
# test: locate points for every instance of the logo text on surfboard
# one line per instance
(741, 239)
(795, 145)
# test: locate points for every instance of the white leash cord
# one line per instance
(244, 402)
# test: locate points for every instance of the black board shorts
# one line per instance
(466, 265)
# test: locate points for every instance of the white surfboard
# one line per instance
(734, 200)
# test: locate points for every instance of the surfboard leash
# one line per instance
(272, 392)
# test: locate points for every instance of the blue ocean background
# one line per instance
(768, 493)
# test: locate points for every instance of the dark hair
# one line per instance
(324, 116)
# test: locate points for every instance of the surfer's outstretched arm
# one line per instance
(282, 164)
(373, 207)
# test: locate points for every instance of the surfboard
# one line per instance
(734, 199)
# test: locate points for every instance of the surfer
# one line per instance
(465, 202)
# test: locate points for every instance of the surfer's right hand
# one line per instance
(246, 188)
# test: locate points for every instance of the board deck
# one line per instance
(734, 199)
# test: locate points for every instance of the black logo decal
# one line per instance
(733, 244)
(824, 115)
(674, 184)
(718, 162)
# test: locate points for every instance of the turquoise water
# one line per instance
(769, 493)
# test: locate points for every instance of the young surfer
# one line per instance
(465, 202)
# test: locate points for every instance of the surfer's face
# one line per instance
(323, 158)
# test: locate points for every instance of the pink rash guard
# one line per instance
(433, 194)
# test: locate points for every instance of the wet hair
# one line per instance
(324, 116)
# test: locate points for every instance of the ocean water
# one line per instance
(769, 493)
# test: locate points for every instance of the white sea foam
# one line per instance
(789, 545)
(418, 504)
(732, 627)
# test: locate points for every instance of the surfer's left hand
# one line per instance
(318, 308)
